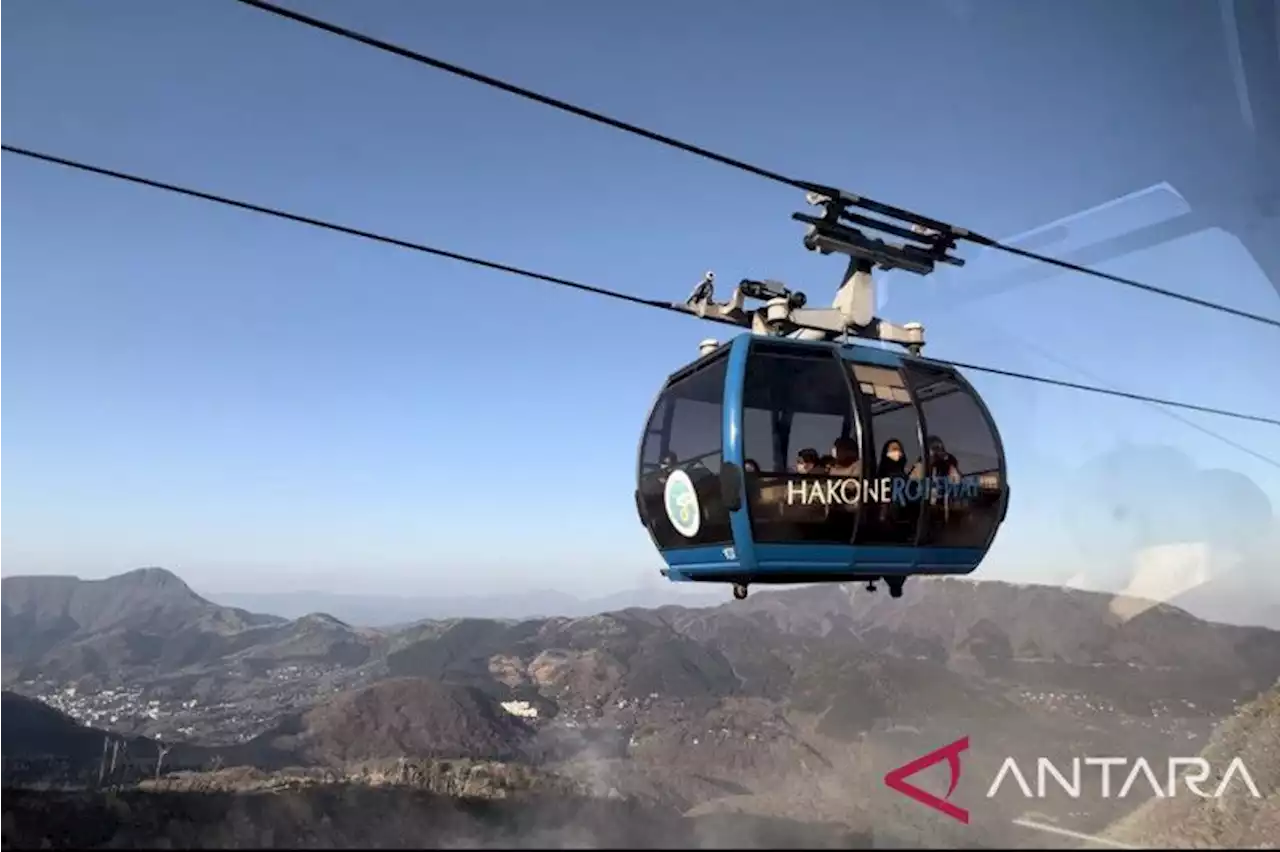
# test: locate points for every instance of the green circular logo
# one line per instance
(681, 501)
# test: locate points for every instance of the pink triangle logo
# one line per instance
(897, 779)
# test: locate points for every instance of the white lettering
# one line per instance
(1045, 767)
(1237, 765)
(1133, 775)
(1197, 772)
(1009, 765)
(1106, 763)
(1193, 780)
(849, 492)
(871, 488)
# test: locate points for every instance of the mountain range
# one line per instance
(790, 705)
(394, 610)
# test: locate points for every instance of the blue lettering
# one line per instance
(915, 489)
(899, 491)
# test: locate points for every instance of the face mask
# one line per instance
(895, 455)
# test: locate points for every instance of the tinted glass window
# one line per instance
(894, 446)
(960, 464)
(797, 408)
(683, 441)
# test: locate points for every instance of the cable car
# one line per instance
(728, 488)
(726, 496)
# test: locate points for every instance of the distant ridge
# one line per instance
(400, 610)
(148, 621)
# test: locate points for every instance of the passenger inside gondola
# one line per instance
(893, 461)
(947, 515)
(846, 461)
(940, 463)
(896, 517)
(842, 517)
(800, 518)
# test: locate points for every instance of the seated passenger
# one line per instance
(807, 461)
(800, 501)
(825, 464)
(844, 462)
(846, 459)
(893, 461)
(897, 519)
(942, 468)
(939, 463)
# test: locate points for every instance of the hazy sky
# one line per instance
(261, 406)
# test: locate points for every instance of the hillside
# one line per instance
(1237, 820)
(148, 623)
(41, 744)
(88, 626)
(790, 705)
(34, 730)
(55, 608)
(796, 703)
(1020, 622)
(353, 816)
(412, 718)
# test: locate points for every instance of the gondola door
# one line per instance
(797, 407)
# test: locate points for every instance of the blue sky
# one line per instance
(259, 405)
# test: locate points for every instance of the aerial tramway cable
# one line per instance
(563, 282)
(868, 204)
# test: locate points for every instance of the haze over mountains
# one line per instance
(390, 610)
(791, 705)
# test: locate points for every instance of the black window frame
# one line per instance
(872, 449)
(912, 370)
(716, 359)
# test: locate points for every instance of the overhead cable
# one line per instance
(741, 165)
(552, 279)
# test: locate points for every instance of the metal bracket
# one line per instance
(784, 313)
(924, 243)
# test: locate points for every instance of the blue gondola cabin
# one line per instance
(774, 460)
